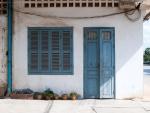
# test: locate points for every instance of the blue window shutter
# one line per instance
(33, 51)
(50, 51)
(66, 51)
(55, 51)
(44, 51)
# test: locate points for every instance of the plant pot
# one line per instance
(38, 96)
(56, 97)
(21, 96)
(64, 97)
(49, 97)
(73, 97)
(2, 91)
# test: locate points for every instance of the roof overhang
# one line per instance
(146, 7)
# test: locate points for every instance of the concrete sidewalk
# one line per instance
(80, 106)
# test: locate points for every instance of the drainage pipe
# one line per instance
(9, 44)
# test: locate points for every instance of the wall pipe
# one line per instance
(9, 44)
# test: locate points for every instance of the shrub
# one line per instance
(49, 91)
(23, 91)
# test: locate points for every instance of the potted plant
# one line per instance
(22, 94)
(3, 87)
(48, 94)
(64, 96)
(38, 96)
(56, 96)
(73, 96)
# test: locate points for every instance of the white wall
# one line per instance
(128, 51)
(3, 48)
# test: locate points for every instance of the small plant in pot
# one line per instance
(3, 88)
(38, 96)
(73, 96)
(56, 96)
(64, 96)
(48, 94)
(22, 94)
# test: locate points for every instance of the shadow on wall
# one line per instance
(129, 61)
(127, 48)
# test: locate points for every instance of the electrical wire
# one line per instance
(128, 13)
(90, 17)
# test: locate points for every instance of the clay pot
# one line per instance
(2, 91)
(56, 97)
(74, 97)
(38, 96)
(48, 98)
(21, 96)
(64, 96)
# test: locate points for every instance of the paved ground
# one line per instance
(80, 106)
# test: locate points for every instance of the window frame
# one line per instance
(50, 29)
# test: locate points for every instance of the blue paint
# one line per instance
(91, 65)
(107, 63)
(99, 63)
(9, 57)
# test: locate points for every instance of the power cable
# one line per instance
(90, 17)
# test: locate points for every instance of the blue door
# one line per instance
(99, 63)
(91, 65)
(107, 64)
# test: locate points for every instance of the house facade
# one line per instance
(88, 47)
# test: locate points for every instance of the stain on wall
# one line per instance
(3, 48)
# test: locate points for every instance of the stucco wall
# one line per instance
(128, 50)
(3, 48)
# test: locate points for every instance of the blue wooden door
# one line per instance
(91, 64)
(99, 63)
(107, 64)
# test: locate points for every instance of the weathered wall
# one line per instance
(3, 47)
(128, 51)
